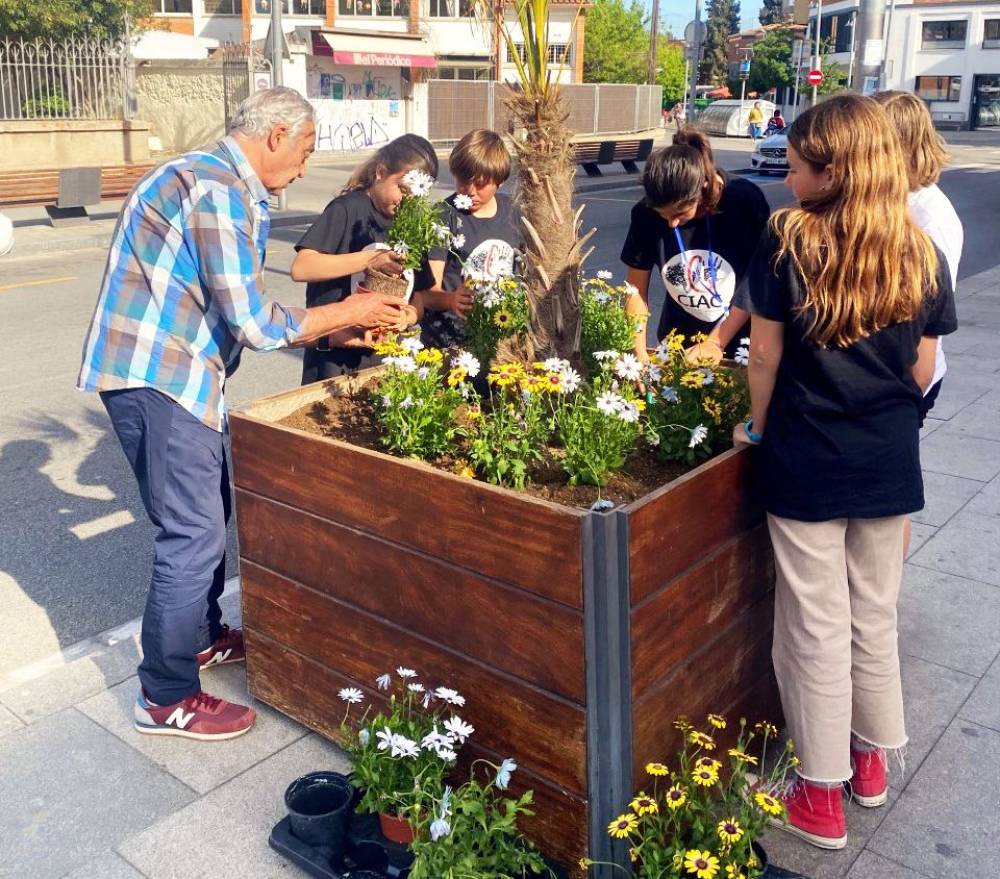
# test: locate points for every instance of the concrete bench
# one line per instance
(65, 193)
(593, 154)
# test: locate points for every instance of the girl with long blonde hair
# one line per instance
(847, 296)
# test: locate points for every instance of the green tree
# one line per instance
(670, 61)
(616, 42)
(62, 19)
(773, 65)
(723, 20)
(771, 13)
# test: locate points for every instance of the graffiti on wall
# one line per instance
(365, 86)
(349, 126)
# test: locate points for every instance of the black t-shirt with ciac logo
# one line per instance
(718, 250)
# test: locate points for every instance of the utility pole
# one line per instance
(883, 70)
(868, 62)
(277, 42)
(694, 47)
(816, 44)
(654, 27)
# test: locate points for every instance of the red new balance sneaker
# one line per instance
(228, 647)
(200, 716)
(815, 814)
(869, 786)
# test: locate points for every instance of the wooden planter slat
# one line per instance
(576, 637)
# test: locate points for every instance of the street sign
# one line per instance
(814, 77)
(745, 67)
(695, 32)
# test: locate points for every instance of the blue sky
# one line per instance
(674, 14)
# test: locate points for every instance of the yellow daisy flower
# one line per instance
(717, 720)
(675, 797)
(714, 410)
(708, 762)
(724, 380)
(429, 356)
(693, 379)
(729, 831)
(643, 805)
(752, 862)
(742, 756)
(503, 318)
(656, 769)
(552, 382)
(695, 737)
(682, 723)
(705, 776)
(389, 347)
(584, 863)
(768, 729)
(734, 872)
(701, 864)
(633, 855)
(623, 825)
(456, 377)
(464, 469)
(769, 804)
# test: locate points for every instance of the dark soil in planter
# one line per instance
(349, 418)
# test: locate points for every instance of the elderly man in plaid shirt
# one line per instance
(182, 296)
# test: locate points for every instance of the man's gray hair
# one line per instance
(259, 113)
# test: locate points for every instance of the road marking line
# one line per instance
(37, 283)
(86, 530)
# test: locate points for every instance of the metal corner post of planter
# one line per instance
(609, 683)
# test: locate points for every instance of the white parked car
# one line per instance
(771, 154)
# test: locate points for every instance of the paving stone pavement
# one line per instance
(83, 796)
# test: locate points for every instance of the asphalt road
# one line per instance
(75, 546)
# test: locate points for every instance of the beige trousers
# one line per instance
(835, 652)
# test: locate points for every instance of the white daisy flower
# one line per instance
(446, 753)
(427, 700)
(669, 393)
(459, 728)
(467, 362)
(439, 828)
(364, 737)
(442, 231)
(411, 344)
(401, 248)
(742, 356)
(601, 298)
(504, 772)
(569, 380)
(385, 737)
(555, 364)
(709, 376)
(631, 289)
(402, 362)
(605, 355)
(653, 372)
(698, 436)
(352, 695)
(605, 275)
(653, 439)
(404, 747)
(629, 367)
(415, 688)
(407, 403)
(458, 241)
(386, 401)
(418, 182)
(609, 403)
(629, 412)
(382, 681)
(745, 341)
(446, 694)
(462, 202)
(423, 372)
(492, 297)
(406, 672)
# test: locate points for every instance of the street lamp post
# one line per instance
(816, 54)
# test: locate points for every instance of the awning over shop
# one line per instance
(373, 50)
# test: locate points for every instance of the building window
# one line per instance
(464, 73)
(223, 7)
(991, 34)
(172, 7)
(384, 8)
(559, 53)
(944, 35)
(938, 88)
(452, 8)
(291, 7)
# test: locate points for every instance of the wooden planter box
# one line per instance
(576, 637)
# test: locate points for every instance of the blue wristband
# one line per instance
(748, 430)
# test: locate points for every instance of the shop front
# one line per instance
(986, 101)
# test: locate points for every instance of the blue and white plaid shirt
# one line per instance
(183, 287)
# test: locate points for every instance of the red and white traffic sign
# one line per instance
(814, 77)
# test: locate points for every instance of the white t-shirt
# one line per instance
(933, 212)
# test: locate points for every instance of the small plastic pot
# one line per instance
(319, 810)
(395, 829)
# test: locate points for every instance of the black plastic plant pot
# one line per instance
(319, 810)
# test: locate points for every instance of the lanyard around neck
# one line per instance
(712, 268)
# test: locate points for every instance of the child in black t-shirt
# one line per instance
(334, 253)
(700, 228)
(485, 227)
(847, 297)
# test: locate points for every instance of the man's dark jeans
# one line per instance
(180, 465)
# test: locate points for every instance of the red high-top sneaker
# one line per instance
(869, 786)
(228, 647)
(815, 814)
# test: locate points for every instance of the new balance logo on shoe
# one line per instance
(180, 718)
(218, 658)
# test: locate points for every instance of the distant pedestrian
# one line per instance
(182, 295)
(756, 120)
(775, 123)
(847, 298)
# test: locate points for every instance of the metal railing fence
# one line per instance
(75, 79)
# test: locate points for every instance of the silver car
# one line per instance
(771, 154)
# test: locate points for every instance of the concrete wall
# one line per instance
(182, 101)
(66, 143)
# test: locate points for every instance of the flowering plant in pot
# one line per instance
(403, 749)
(701, 817)
(471, 831)
(417, 227)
